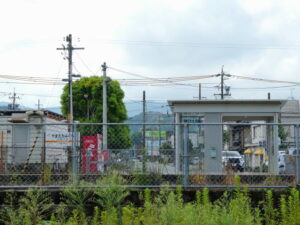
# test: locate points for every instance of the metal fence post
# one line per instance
(297, 154)
(185, 156)
(74, 154)
(178, 144)
(43, 156)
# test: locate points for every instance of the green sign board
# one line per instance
(155, 133)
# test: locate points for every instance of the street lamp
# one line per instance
(87, 103)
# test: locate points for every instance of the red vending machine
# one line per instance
(90, 154)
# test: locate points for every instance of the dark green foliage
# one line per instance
(226, 137)
(290, 208)
(118, 137)
(92, 87)
(89, 110)
(166, 149)
(113, 193)
(9, 213)
(164, 208)
(37, 205)
(77, 198)
(282, 134)
(30, 209)
(150, 178)
(270, 213)
(112, 197)
(137, 138)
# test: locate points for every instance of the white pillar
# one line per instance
(178, 143)
(213, 142)
(273, 146)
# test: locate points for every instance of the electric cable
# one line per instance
(200, 44)
(83, 62)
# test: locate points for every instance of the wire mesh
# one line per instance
(150, 155)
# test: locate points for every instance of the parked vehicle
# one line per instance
(195, 160)
(281, 152)
(233, 159)
(281, 163)
(292, 151)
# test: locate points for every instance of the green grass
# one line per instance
(108, 206)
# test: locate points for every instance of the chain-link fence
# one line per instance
(150, 155)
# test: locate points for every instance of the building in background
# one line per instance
(27, 142)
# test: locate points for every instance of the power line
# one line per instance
(166, 79)
(57, 77)
(146, 81)
(273, 87)
(28, 83)
(201, 44)
(83, 62)
(264, 80)
(157, 85)
(20, 93)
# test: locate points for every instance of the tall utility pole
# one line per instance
(200, 91)
(222, 75)
(39, 105)
(104, 107)
(222, 84)
(70, 49)
(144, 119)
(14, 96)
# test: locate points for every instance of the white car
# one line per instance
(195, 160)
(234, 159)
(292, 151)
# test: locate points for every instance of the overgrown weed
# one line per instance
(166, 208)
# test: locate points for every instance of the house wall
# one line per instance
(34, 144)
(213, 135)
(58, 140)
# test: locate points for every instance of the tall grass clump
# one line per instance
(9, 213)
(36, 205)
(171, 210)
(150, 211)
(269, 211)
(75, 200)
(166, 207)
(110, 196)
(31, 209)
(234, 208)
(290, 208)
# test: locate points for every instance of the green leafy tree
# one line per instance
(282, 134)
(137, 138)
(87, 107)
(226, 137)
(166, 149)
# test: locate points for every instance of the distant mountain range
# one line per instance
(151, 118)
(133, 108)
(154, 110)
(136, 107)
(56, 109)
(5, 106)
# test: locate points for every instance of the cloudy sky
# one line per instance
(153, 38)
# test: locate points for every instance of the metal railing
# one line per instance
(188, 154)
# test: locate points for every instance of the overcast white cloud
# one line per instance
(155, 38)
